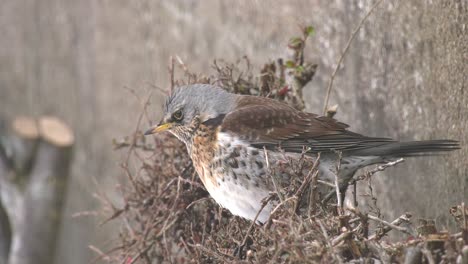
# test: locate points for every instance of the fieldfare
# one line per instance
(229, 138)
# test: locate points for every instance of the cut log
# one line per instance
(41, 155)
(18, 144)
(24, 141)
(5, 235)
(55, 132)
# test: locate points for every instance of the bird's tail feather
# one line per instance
(410, 149)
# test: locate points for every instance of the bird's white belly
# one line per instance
(242, 201)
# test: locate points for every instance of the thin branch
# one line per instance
(337, 186)
(217, 255)
(139, 255)
(309, 177)
(393, 226)
(329, 184)
(329, 243)
(171, 73)
(313, 189)
(100, 253)
(341, 237)
(273, 178)
(282, 203)
(405, 218)
(377, 169)
(244, 241)
(353, 35)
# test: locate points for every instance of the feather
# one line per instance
(268, 123)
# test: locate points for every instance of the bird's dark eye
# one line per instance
(177, 115)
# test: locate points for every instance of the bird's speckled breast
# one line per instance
(233, 172)
(202, 152)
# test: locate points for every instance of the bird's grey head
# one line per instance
(190, 105)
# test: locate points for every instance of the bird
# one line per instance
(236, 142)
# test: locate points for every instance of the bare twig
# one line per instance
(264, 203)
(329, 243)
(313, 192)
(382, 167)
(324, 232)
(197, 201)
(101, 255)
(341, 237)
(309, 177)
(139, 255)
(391, 225)
(273, 178)
(224, 258)
(337, 184)
(353, 35)
(464, 220)
(405, 218)
(329, 184)
(171, 72)
(277, 207)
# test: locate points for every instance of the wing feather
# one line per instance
(266, 122)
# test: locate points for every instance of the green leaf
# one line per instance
(295, 43)
(309, 31)
(290, 64)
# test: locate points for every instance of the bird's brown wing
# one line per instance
(266, 122)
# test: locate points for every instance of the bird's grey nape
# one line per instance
(208, 101)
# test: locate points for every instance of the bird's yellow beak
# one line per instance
(158, 128)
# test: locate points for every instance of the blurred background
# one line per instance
(404, 76)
